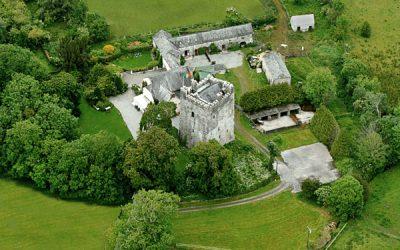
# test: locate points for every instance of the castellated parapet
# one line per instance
(207, 111)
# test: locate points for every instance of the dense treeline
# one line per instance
(269, 97)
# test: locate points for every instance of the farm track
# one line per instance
(270, 193)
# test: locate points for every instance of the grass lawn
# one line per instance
(92, 121)
(291, 137)
(277, 223)
(299, 67)
(130, 61)
(379, 226)
(30, 219)
(128, 17)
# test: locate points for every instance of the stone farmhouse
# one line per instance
(207, 111)
(302, 23)
(275, 68)
(171, 48)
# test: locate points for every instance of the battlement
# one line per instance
(208, 93)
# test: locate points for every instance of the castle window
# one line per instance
(192, 114)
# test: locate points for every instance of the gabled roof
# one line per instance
(165, 84)
(302, 20)
(275, 65)
(168, 51)
(213, 35)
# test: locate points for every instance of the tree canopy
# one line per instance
(320, 86)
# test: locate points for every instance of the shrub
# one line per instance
(366, 30)
(108, 49)
(269, 97)
(345, 166)
(98, 28)
(214, 49)
(324, 126)
(346, 200)
(322, 195)
(308, 188)
(343, 146)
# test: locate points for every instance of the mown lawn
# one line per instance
(131, 61)
(30, 219)
(128, 17)
(92, 121)
(277, 223)
(379, 226)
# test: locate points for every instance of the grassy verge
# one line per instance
(299, 67)
(261, 190)
(128, 17)
(379, 226)
(92, 121)
(277, 223)
(30, 219)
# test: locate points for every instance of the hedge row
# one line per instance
(269, 97)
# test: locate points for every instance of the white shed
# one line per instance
(302, 23)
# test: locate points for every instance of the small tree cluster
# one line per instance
(102, 83)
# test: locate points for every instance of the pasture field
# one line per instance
(92, 121)
(31, 219)
(276, 223)
(384, 19)
(129, 17)
(379, 226)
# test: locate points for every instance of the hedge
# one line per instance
(269, 97)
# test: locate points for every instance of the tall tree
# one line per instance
(324, 126)
(150, 161)
(73, 52)
(320, 86)
(210, 171)
(146, 222)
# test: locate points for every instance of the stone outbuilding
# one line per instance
(207, 112)
(275, 68)
(302, 23)
(171, 48)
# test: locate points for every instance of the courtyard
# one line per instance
(229, 59)
(312, 161)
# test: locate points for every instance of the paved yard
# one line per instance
(229, 59)
(305, 162)
(130, 115)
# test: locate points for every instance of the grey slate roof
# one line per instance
(168, 51)
(165, 84)
(302, 20)
(213, 35)
(276, 66)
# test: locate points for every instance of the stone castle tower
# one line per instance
(207, 111)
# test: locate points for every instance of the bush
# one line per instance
(366, 30)
(308, 188)
(322, 195)
(214, 49)
(108, 49)
(343, 146)
(98, 28)
(324, 126)
(345, 166)
(269, 97)
(346, 200)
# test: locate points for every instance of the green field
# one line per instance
(128, 17)
(30, 219)
(384, 19)
(277, 223)
(92, 121)
(379, 226)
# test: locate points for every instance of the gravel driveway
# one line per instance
(229, 59)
